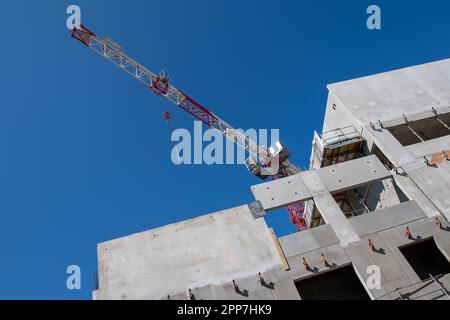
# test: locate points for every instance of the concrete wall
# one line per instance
(209, 250)
(386, 229)
(396, 272)
(337, 115)
(387, 98)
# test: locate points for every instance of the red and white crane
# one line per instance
(261, 158)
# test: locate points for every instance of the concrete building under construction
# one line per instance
(376, 197)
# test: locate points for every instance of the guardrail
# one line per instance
(338, 135)
(432, 279)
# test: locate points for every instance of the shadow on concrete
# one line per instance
(330, 265)
(410, 295)
(243, 293)
(313, 270)
(379, 250)
(270, 285)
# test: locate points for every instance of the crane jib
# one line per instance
(260, 156)
(160, 85)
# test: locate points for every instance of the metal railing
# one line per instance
(426, 282)
(339, 135)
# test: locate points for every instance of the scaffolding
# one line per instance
(336, 146)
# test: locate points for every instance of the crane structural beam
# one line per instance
(260, 158)
(159, 84)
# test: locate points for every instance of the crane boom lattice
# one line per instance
(260, 157)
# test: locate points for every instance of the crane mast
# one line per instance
(260, 157)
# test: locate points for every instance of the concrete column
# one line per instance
(334, 216)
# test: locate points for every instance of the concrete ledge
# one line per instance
(352, 174)
(387, 218)
(335, 255)
(306, 185)
(426, 148)
(279, 193)
(308, 240)
(276, 284)
(434, 183)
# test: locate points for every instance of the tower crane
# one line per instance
(263, 162)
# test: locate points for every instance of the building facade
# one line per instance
(377, 203)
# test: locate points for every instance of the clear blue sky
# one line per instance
(85, 153)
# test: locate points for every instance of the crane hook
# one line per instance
(166, 115)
